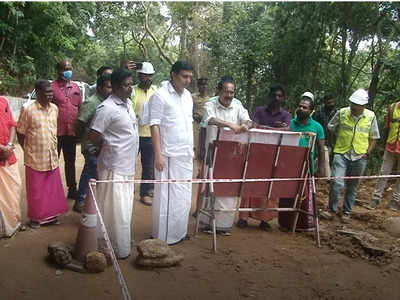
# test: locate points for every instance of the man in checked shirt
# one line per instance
(37, 135)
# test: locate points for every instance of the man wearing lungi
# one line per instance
(37, 135)
(10, 181)
(224, 111)
(270, 116)
(171, 121)
(114, 131)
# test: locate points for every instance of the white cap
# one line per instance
(359, 97)
(147, 68)
(308, 95)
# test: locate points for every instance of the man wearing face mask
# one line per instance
(357, 131)
(140, 96)
(304, 123)
(68, 98)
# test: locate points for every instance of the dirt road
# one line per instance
(250, 264)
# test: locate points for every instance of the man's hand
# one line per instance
(5, 152)
(130, 65)
(159, 163)
(239, 128)
(279, 124)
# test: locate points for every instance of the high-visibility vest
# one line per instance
(394, 133)
(353, 134)
(136, 93)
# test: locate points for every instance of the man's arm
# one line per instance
(221, 123)
(156, 140)
(21, 139)
(79, 129)
(321, 157)
(97, 139)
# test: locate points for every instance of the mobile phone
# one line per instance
(139, 66)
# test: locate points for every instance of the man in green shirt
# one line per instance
(304, 123)
(88, 149)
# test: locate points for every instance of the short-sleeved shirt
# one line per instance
(263, 116)
(373, 133)
(85, 115)
(67, 96)
(173, 113)
(6, 123)
(116, 121)
(39, 125)
(310, 126)
(235, 113)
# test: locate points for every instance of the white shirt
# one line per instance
(173, 113)
(116, 121)
(235, 113)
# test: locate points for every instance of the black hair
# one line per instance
(101, 70)
(181, 65)
(58, 65)
(223, 80)
(118, 76)
(41, 84)
(102, 79)
(328, 97)
(202, 81)
(305, 98)
(274, 88)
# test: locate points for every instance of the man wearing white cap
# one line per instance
(357, 131)
(141, 94)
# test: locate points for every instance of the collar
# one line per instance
(172, 90)
(224, 107)
(63, 83)
(277, 113)
(41, 107)
(117, 100)
(301, 124)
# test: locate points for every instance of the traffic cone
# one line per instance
(86, 240)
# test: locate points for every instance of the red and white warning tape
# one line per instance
(120, 276)
(195, 181)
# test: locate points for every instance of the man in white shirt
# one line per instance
(114, 131)
(171, 123)
(224, 111)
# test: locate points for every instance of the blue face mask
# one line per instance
(67, 75)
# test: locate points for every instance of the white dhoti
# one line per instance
(115, 202)
(10, 197)
(172, 202)
(223, 219)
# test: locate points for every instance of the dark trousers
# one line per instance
(89, 171)
(67, 143)
(147, 159)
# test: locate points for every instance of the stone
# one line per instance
(153, 248)
(160, 262)
(60, 253)
(76, 266)
(96, 262)
(392, 226)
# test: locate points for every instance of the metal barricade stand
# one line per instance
(212, 165)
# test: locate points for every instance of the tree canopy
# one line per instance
(322, 47)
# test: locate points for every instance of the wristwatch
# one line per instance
(11, 145)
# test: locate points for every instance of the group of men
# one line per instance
(118, 121)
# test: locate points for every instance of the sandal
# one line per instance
(34, 225)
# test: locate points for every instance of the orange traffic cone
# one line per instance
(86, 240)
